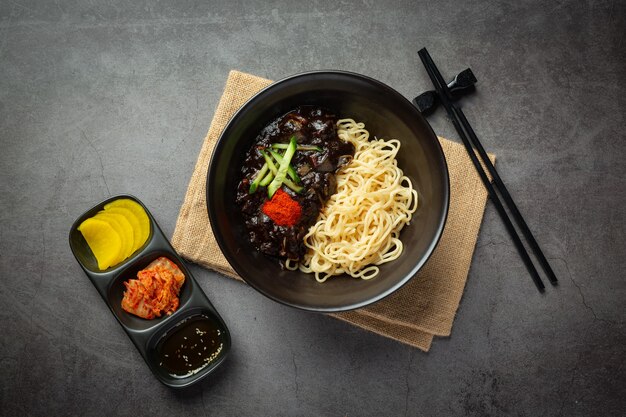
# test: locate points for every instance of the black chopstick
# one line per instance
(470, 141)
(510, 203)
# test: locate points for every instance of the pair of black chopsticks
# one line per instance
(471, 142)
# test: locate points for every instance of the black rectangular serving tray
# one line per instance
(145, 334)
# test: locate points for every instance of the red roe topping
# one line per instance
(282, 209)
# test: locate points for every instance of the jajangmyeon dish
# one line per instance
(318, 193)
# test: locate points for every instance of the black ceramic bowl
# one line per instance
(386, 114)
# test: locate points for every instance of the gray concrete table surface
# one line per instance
(103, 98)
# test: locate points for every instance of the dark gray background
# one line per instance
(105, 97)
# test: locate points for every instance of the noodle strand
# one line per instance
(359, 227)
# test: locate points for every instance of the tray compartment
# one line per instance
(83, 253)
(116, 290)
(215, 338)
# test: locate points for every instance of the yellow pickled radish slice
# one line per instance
(103, 240)
(122, 227)
(138, 211)
(132, 220)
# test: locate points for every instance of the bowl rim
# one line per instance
(416, 268)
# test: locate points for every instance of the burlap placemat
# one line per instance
(426, 305)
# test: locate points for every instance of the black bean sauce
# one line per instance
(191, 346)
(311, 126)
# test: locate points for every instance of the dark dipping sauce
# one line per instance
(190, 346)
(311, 126)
